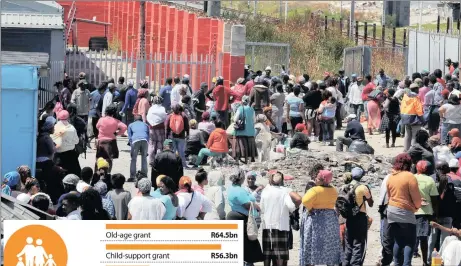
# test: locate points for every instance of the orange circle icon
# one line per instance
(35, 245)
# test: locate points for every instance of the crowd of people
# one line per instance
(180, 128)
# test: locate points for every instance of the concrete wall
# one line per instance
(168, 31)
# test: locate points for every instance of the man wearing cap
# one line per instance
(354, 96)
(143, 206)
(167, 163)
(354, 131)
(186, 81)
(357, 225)
(199, 101)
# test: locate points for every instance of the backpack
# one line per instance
(176, 123)
(346, 203)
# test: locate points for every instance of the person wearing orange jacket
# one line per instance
(411, 113)
(217, 143)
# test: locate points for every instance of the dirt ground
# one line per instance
(377, 141)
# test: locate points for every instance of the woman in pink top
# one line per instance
(424, 90)
(142, 104)
(109, 127)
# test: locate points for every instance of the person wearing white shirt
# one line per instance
(215, 192)
(65, 137)
(108, 98)
(144, 206)
(156, 116)
(192, 205)
(276, 204)
(175, 96)
(354, 96)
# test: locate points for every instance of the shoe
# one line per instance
(331, 144)
(393, 145)
(131, 179)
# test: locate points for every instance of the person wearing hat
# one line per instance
(259, 95)
(69, 182)
(107, 203)
(239, 92)
(250, 84)
(143, 206)
(167, 163)
(81, 97)
(425, 73)
(131, 97)
(344, 82)
(175, 96)
(357, 225)
(186, 83)
(267, 74)
(354, 96)
(450, 114)
(411, 112)
(65, 136)
(354, 131)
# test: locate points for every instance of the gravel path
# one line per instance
(121, 165)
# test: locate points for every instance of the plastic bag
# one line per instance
(252, 226)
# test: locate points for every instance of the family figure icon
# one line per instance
(34, 255)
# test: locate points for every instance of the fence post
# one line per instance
(457, 24)
(383, 36)
(349, 29)
(356, 32)
(341, 25)
(333, 23)
(393, 37)
(448, 24)
(404, 38)
(438, 24)
(374, 33)
(326, 23)
(365, 32)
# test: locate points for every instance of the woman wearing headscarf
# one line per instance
(263, 138)
(238, 92)
(195, 140)
(421, 150)
(45, 151)
(320, 239)
(206, 125)
(450, 114)
(300, 139)
(156, 117)
(109, 127)
(374, 111)
(25, 174)
(66, 138)
(391, 117)
(244, 144)
(215, 193)
(192, 205)
(241, 201)
(142, 105)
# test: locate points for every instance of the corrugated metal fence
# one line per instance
(261, 54)
(100, 66)
(363, 60)
(428, 50)
(47, 90)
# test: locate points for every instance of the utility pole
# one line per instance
(255, 4)
(280, 9)
(352, 19)
(141, 68)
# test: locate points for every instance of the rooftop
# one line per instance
(32, 15)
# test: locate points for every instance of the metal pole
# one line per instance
(383, 16)
(352, 18)
(255, 4)
(286, 11)
(420, 14)
(142, 41)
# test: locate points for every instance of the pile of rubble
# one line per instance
(299, 165)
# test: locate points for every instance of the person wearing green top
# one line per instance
(429, 194)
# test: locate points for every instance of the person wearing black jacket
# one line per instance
(312, 100)
(167, 163)
(354, 131)
(199, 101)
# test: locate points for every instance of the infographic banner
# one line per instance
(128, 243)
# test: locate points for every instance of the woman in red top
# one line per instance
(366, 90)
